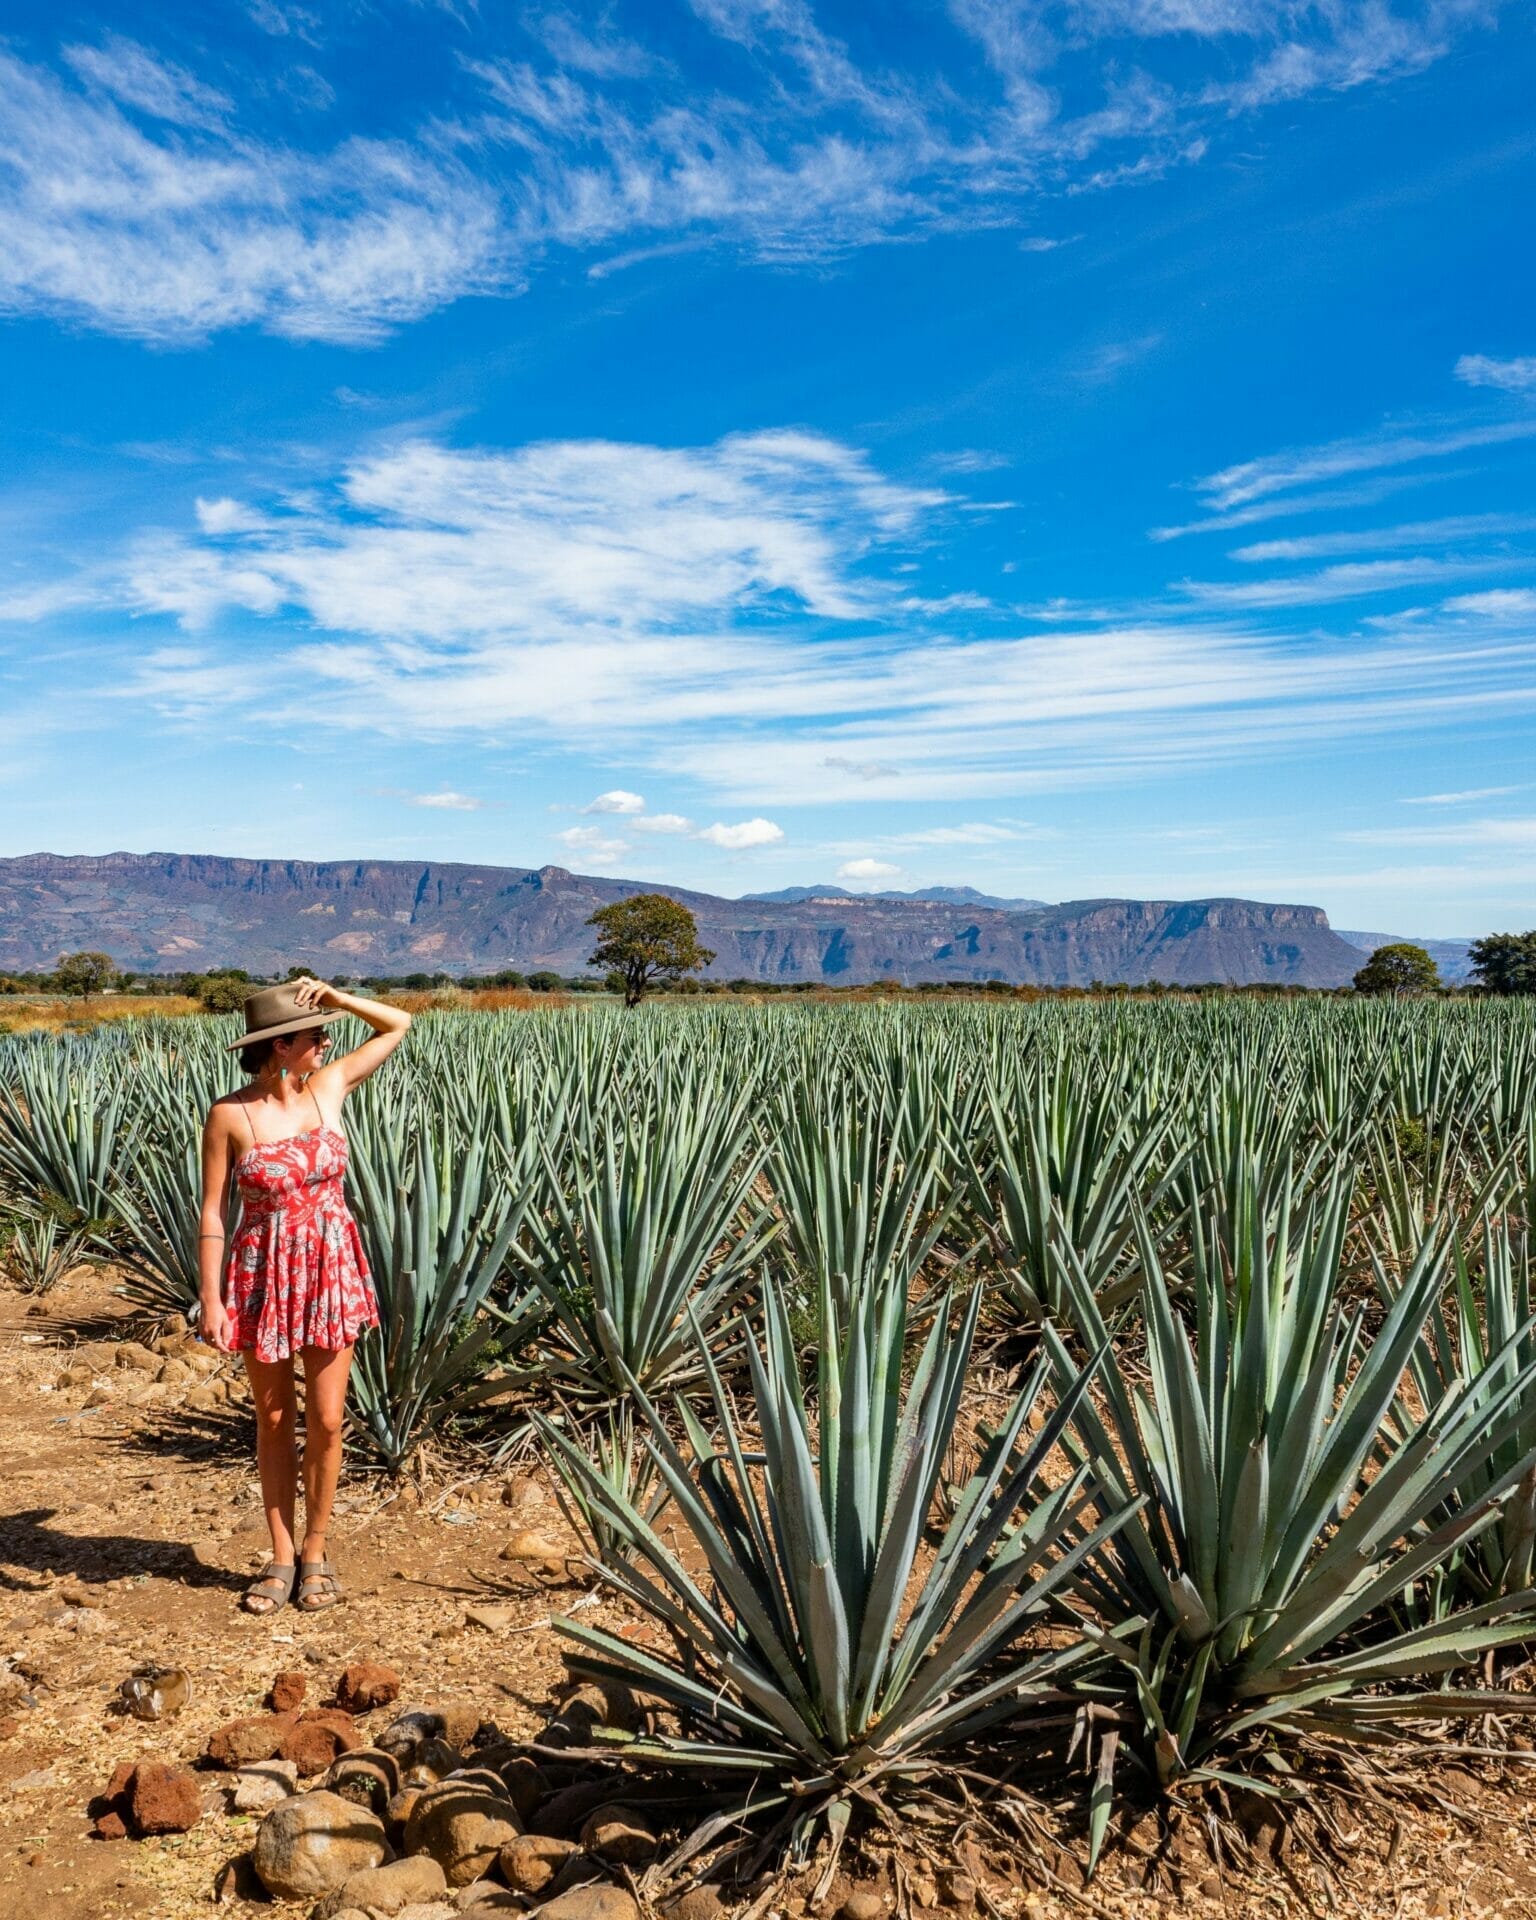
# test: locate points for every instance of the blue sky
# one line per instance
(1069, 449)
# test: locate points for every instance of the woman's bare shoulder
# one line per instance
(225, 1113)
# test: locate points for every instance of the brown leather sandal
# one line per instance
(318, 1586)
(270, 1591)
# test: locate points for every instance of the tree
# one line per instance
(83, 974)
(544, 981)
(647, 938)
(224, 991)
(1403, 968)
(1505, 962)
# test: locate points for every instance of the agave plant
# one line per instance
(39, 1250)
(1257, 1585)
(61, 1127)
(438, 1214)
(859, 1181)
(627, 1469)
(1069, 1150)
(825, 1657)
(1478, 1341)
(157, 1203)
(648, 1234)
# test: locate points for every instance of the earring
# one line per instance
(282, 1073)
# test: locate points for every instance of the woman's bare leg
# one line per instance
(325, 1399)
(276, 1448)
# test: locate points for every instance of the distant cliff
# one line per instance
(169, 912)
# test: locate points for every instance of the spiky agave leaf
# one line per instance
(63, 1105)
(1068, 1143)
(1479, 1339)
(1276, 1536)
(438, 1214)
(648, 1216)
(818, 1650)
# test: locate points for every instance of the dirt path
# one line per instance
(127, 1535)
(127, 1531)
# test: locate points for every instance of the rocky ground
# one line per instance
(131, 1522)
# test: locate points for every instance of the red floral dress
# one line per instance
(297, 1276)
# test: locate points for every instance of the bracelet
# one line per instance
(213, 1236)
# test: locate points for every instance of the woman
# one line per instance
(295, 1282)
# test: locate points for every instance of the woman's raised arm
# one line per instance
(389, 1029)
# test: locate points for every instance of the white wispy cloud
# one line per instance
(448, 800)
(616, 800)
(1461, 833)
(1347, 581)
(972, 833)
(661, 823)
(1367, 44)
(1252, 480)
(742, 834)
(1499, 603)
(1365, 493)
(426, 541)
(1413, 533)
(1512, 376)
(141, 198)
(132, 75)
(129, 205)
(1459, 799)
(728, 615)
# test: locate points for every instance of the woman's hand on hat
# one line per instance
(312, 995)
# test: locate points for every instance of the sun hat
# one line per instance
(276, 1010)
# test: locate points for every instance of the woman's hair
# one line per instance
(254, 1057)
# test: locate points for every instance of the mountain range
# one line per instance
(170, 913)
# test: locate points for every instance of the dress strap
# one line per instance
(250, 1125)
(313, 1096)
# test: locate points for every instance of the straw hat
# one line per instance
(276, 1010)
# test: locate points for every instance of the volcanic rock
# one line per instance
(287, 1692)
(364, 1685)
(240, 1743)
(318, 1738)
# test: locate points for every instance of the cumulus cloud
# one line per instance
(867, 872)
(616, 800)
(593, 843)
(744, 833)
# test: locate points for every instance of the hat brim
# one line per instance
(276, 1033)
